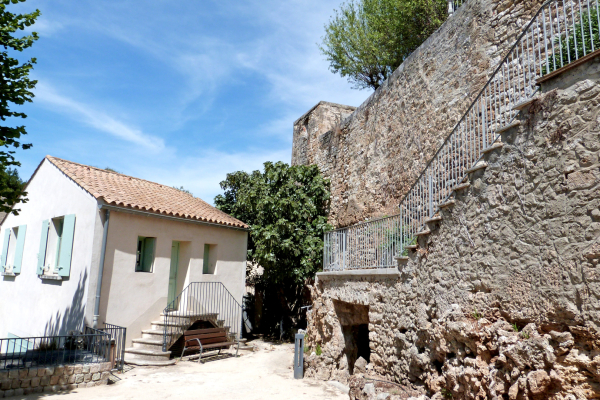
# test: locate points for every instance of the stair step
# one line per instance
(250, 348)
(447, 204)
(183, 314)
(149, 363)
(433, 219)
(147, 354)
(145, 343)
(424, 232)
(411, 247)
(461, 186)
(163, 323)
(522, 104)
(476, 167)
(402, 258)
(497, 145)
(507, 127)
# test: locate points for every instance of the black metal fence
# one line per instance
(208, 301)
(118, 335)
(77, 348)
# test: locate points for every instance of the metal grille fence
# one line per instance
(453, 5)
(561, 32)
(118, 335)
(78, 348)
(208, 301)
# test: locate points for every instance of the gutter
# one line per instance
(170, 217)
(100, 271)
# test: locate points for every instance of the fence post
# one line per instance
(299, 356)
(450, 7)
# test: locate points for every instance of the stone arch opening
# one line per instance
(354, 321)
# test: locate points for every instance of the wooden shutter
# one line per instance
(5, 248)
(43, 242)
(19, 249)
(148, 255)
(66, 245)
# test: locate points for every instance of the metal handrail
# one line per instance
(558, 34)
(208, 301)
(76, 348)
(118, 335)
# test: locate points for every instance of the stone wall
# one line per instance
(19, 382)
(502, 299)
(374, 156)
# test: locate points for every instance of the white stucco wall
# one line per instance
(30, 306)
(134, 299)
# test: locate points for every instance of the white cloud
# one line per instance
(45, 94)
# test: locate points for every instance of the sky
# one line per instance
(177, 92)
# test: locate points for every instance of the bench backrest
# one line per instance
(207, 336)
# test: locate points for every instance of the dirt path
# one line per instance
(261, 375)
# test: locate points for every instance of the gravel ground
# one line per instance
(262, 375)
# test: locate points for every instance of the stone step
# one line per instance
(133, 353)
(497, 145)
(507, 127)
(411, 247)
(433, 219)
(163, 323)
(461, 186)
(525, 103)
(424, 232)
(153, 334)
(149, 344)
(149, 363)
(402, 258)
(447, 204)
(477, 167)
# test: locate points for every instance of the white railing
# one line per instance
(453, 5)
(560, 33)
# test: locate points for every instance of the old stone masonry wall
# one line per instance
(502, 299)
(374, 156)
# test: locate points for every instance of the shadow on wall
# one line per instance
(73, 316)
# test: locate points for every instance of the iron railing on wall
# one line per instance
(560, 32)
(453, 5)
(201, 301)
(77, 348)
(118, 335)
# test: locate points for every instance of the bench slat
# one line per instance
(206, 336)
(203, 331)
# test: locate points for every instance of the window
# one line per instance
(144, 256)
(12, 250)
(209, 264)
(56, 246)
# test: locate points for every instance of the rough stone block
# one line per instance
(48, 389)
(71, 386)
(35, 382)
(78, 369)
(91, 384)
(78, 378)
(96, 376)
(62, 380)
(45, 381)
(15, 383)
(94, 368)
(19, 392)
(25, 383)
(38, 389)
(105, 375)
(41, 372)
(27, 391)
(13, 374)
(86, 369)
(59, 370)
(5, 384)
(23, 373)
(69, 370)
(71, 379)
(49, 371)
(54, 380)
(9, 393)
(87, 377)
(3, 375)
(106, 366)
(33, 372)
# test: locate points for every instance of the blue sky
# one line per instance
(177, 92)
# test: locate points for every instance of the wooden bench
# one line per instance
(207, 339)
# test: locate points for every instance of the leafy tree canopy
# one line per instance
(15, 89)
(367, 40)
(286, 208)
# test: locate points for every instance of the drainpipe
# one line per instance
(100, 271)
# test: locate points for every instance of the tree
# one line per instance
(367, 40)
(15, 88)
(287, 209)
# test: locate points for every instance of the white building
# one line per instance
(147, 241)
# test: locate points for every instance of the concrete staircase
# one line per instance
(148, 350)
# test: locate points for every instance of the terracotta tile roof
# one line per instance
(139, 194)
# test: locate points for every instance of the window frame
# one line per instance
(141, 252)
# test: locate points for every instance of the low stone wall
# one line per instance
(502, 299)
(19, 382)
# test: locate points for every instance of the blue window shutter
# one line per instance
(148, 257)
(43, 242)
(66, 245)
(19, 249)
(5, 248)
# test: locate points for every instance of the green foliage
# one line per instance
(184, 190)
(525, 335)
(109, 169)
(306, 350)
(318, 350)
(15, 88)
(575, 42)
(515, 327)
(446, 393)
(287, 209)
(476, 315)
(409, 242)
(366, 40)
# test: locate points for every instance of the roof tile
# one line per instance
(126, 191)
